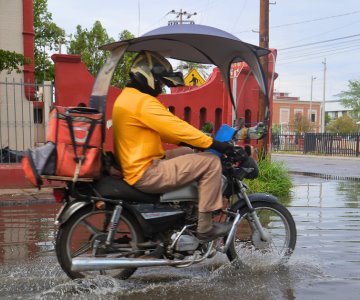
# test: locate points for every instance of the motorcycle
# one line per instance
(108, 227)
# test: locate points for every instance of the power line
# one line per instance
(306, 21)
(314, 20)
(316, 56)
(333, 48)
(320, 42)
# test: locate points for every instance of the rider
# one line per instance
(141, 123)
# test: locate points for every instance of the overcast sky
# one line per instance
(305, 32)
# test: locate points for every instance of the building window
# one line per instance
(187, 114)
(284, 115)
(202, 117)
(313, 116)
(298, 111)
(38, 115)
(172, 109)
(248, 117)
(218, 118)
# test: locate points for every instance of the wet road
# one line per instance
(325, 265)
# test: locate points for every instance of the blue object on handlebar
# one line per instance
(224, 134)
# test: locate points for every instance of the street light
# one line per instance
(323, 102)
(311, 96)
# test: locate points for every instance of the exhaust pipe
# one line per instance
(81, 264)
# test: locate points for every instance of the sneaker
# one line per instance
(217, 230)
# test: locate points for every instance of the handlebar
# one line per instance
(239, 164)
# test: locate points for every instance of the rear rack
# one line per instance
(63, 178)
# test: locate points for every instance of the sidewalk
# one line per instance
(347, 168)
(25, 196)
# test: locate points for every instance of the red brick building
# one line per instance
(285, 108)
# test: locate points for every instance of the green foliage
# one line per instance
(86, 42)
(342, 125)
(301, 124)
(274, 179)
(351, 97)
(48, 36)
(276, 129)
(208, 127)
(121, 76)
(327, 118)
(10, 60)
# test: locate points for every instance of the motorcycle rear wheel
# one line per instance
(277, 223)
(76, 238)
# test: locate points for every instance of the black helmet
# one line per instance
(150, 69)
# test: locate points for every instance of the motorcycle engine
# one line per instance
(185, 242)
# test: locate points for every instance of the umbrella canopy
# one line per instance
(200, 44)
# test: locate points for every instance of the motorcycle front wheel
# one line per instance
(89, 226)
(278, 224)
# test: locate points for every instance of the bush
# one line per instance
(273, 179)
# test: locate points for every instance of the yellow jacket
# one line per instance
(140, 124)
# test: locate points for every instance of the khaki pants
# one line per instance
(181, 168)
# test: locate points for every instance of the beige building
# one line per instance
(21, 116)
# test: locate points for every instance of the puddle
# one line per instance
(325, 264)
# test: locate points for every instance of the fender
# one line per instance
(69, 209)
(72, 207)
(257, 197)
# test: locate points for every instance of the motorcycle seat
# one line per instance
(116, 188)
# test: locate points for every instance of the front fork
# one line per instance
(253, 217)
(253, 220)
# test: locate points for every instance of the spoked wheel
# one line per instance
(89, 227)
(280, 230)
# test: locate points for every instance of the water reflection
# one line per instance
(26, 231)
(325, 265)
(351, 192)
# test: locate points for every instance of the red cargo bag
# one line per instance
(78, 134)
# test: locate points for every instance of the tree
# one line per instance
(121, 75)
(351, 98)
(342, 125)
(48, 37)
(10, 61)
(276, 129)
(300, 124)
(86, 42)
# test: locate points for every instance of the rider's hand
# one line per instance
(222, 147)
(242, 154)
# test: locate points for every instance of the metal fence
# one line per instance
(23, 116)
(318, 143)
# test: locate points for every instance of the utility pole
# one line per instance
(323, 102)
(264, 43)
(179, 15)
(311, 97)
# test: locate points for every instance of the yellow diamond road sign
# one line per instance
(193, 78)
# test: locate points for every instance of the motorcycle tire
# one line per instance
(73, 237)
(277, 222)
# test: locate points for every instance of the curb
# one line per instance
(325, 176)
(25, 196)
